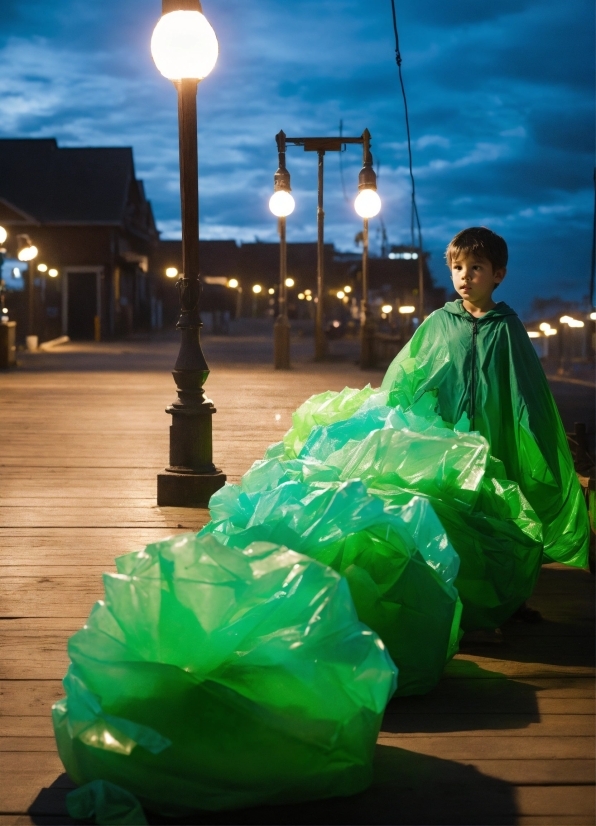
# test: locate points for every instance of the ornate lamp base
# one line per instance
(187, 490)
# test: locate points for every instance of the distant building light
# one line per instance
(271, 291)
(171, 272)
(53, 272)
(406, 256)
(407, 309)
(42, 267)
(257, 289)
(386, 308)
(233, 283)
(534, 334)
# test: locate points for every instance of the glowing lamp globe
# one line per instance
(3, 235)
(27, 253)
(281, 204)
(184, 45)
(367, 203)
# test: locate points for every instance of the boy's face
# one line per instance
(474, 279)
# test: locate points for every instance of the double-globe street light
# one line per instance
(367, 205)
(185, 49)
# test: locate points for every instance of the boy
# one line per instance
(476, 357)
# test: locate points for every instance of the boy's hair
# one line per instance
(479, 241)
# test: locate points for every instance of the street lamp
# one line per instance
(367, 205)
(281, 205)
(26, 252)
(184, 48)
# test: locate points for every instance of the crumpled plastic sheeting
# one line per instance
(105, 804)
(398, 561)
(397, 454)
(212, 677)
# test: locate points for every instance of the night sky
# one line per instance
(501, 108)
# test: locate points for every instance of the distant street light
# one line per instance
(386, 308)
(26, 252)
(184, 48)
(3, 235)
(233, 283)
(171, 272)
(281, 205)
(53, 273)
(407, 309)
(257, 289)
(367, 205)
(42, 268)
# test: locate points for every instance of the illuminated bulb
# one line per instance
(233, 283)
(565, 319)
(271, 291)
(42, 267)
(257, 289)
(534, 334)
(53, 272)
(184, 45)
(3, 235)
(386, 308)
(576, 323)
(367, 203)
(309, 297)
(544, 326)
(550, 332)
(340, 293)
(171, 272)
(407, 309)
(289, 282)
(27, 253)
(348, 289)
(282, 204)
(307, 292)
(593, 316)
(301, 296)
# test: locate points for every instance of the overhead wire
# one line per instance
(414, 216)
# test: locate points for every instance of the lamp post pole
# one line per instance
(320, 146)
(282, 205)
(191, 477)
(367, 204)
(320, 339)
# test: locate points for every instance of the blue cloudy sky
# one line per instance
(501, 104)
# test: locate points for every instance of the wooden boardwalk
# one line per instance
(507, 736)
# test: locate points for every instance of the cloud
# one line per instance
(500, 99)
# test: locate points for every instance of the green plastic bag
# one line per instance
(212, 677)
(398, 454)
(398, 561)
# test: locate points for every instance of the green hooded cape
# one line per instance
(487, 368)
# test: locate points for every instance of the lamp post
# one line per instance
(367, 205)
(320, 146)
(26, 252)
(282, 204)
(184, 48)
